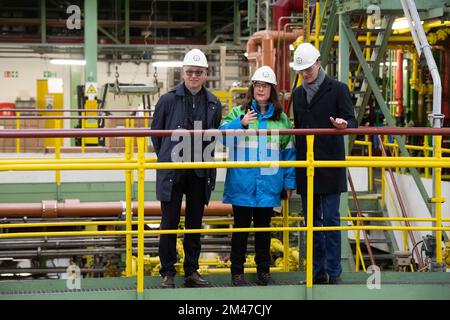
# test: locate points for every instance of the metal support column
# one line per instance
(127, 21)
(208, 22)
(43, 22)
(90, 40)
(343, 69)
(236, 23)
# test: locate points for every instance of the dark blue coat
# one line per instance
(169, 115)
(331, 100)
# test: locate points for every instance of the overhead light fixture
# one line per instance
(71, 62)
(401, 23)
(167, 64)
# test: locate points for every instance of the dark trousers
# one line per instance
(194, 188)
(242, 219)
(327, 244)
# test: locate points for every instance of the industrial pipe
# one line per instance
(75, 208)
(265, 39)
(284, 8)
(399, 79)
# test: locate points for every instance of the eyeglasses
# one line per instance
(190, 73)
(261, 85)
(308, 70)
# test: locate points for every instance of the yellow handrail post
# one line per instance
(309, 210)
(438, 200)
(83, 125)
(285, 210)
(426, 154)
(133, 139)
(129, 213)
(18, 128)
(141, 195)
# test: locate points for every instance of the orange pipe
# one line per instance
(265, 39)
(75, 208)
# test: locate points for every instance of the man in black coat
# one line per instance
(187, 106)
(321, 102)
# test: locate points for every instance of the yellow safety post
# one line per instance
(285, 211)
(83, 125)
(309, 210)
(141, 195)
(426, 154)
(359, 256)
(129, 213)
(438, 200)
(18, 128)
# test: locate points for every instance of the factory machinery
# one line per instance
(97, 231)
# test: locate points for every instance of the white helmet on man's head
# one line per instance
(265, 74)
(305, 56)
(195, 58)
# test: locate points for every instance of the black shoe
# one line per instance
(265, 279)
(167, 283)
(194, 280)
(320, 278)
(335, 280)
(238, 280)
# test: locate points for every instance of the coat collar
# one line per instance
(179, 91)
(269, 112)
(322, 90)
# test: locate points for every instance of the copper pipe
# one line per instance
(75, 208)
(265, 39)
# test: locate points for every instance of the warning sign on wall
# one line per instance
(91, 90)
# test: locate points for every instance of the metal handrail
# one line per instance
(141, 165)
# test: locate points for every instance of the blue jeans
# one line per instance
(327, 244)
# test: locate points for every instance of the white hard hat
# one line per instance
(305, 56)
(195, 58)
(265, 74)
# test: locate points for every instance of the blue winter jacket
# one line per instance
(258, 187)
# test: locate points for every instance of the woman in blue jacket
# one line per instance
(254, 192)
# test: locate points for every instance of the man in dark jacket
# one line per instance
(321, 102)
(187, 106)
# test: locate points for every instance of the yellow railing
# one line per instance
(129, 164)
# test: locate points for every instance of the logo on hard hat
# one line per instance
(196, 58)
(265, 74)
(298, 60)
